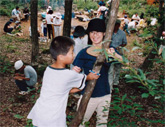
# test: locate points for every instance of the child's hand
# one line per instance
(77, 69)
(92, 76)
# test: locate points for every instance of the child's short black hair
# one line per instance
(17, 7)
(60, 45)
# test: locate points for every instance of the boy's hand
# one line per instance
(74, 90)
(92, 76)
(77, 69)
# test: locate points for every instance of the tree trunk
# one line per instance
(148, 62)
(34, 30)
(97, 66)
(67, 18)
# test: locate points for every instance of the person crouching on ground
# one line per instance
(50, 108)
(7, 28)
(25, 77)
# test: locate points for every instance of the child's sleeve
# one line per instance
(77, 80)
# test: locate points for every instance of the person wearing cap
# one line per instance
(85, 59)
(119, 36)
(57, 22)
(25, 77)
(118, 40)
(126, 21)
(17, 26)
(7, 28)
(48, 9)
(80, 38)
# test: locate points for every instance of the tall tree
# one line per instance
(97, 66)
(34, 30)
(148, 62)
(67, 18)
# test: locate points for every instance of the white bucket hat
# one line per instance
(58, 15)
(18, 64)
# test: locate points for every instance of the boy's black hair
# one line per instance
(60, 45)
(50, 12)
(17, 7)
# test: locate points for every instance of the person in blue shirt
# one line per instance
(101, 96)
(118, 40)
(101, 3)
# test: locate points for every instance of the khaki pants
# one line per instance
(101, 106)
(16, 17)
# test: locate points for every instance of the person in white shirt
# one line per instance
(16, 14)
(80, 38)
(58, 81)
(132, 25)
(135, 17)
(102, 11)
(126, 21)
(57, 22)
(44, 28)
(108, 2)
(49, 21)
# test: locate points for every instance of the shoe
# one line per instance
(49, 40)
(23, 92)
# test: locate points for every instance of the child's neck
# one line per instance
(58, 65)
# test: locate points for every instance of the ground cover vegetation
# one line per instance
(138, 101)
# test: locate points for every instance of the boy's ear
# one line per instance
(61, 57)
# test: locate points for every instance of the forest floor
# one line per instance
(15, 108)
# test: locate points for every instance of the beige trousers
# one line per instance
(101, 106)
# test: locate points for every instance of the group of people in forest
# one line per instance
(16, 17)
(58, 81)
(52, 23)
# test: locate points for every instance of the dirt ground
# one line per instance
(14, 107)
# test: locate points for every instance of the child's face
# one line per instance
(69, 57)
(96, 37)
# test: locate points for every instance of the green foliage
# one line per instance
(29, 123)
(8, 5)
(4, 12)
(18, 116)
(5, 65)
(81, 4)
(123, 106)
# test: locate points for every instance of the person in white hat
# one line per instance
(25, 77)
(57, 22)
(48, 9)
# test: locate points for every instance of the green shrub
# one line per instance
(88, 5)
(4, 12)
